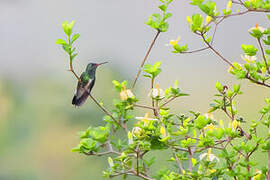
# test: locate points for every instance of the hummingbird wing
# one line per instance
(82, 92)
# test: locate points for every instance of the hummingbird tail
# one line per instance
(81, 100)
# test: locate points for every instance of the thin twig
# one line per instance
(70, 63)
(216, 52)
(143, 106)
(107, 112)
(110, 151)
(178, 163)
(195, 51)
(145, 58)
(168, 101)
(257, 82)
(263, 55)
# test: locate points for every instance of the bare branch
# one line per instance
(145, 58)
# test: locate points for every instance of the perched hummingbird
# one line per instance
(86, 83)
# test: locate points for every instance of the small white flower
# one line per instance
(126, 94)
(136, 131)
(209, 156)
(260, 28)
(209, 116)
(249, 59)
(157, 93)
(145, 118)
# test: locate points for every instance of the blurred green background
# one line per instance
(38, 124)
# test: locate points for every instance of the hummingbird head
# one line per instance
(91, 67)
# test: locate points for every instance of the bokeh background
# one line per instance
(38, 124)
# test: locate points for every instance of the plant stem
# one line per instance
(107, 112)
(215, 51)
(70, 62)
(195, 51)
(178, 163)
(143, 106)
(263, 55)
(257, 82)
(145, 58)
(167, 102)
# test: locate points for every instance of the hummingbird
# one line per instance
(85, 84)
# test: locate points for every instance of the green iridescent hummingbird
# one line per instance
(86, 83)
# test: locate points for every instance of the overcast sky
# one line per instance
(114, 30)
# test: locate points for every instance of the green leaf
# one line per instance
(236, 88)
(208, 8)
(197, 2)
(219, 86)
(163, 7)
(60, 41)
(268, 16)
(75, 37)
(256, 33)
(67, 48)
(249, 50)
(197, 21)
(168, 15)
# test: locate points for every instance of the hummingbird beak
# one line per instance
(101, 63)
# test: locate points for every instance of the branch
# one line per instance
(263, 55)
(168, 101)
(257, 82)
(108, 113)
(132, 173)
(178, 163)
(194, 51)
(143, 106)
(145, 58)
(110, 151)
(70, 63)
(215, 51)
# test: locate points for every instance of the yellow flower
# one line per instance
(263, 69)
(221, 124)
(210, 127)
(175, 42)
(189, 20)
(208, 19)
(208, 154)
(162, 131)
(235, 124)
(230, 69)
(212, 171)
(236, 67)
(229, 5)
(258, 175)
(146, 118)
